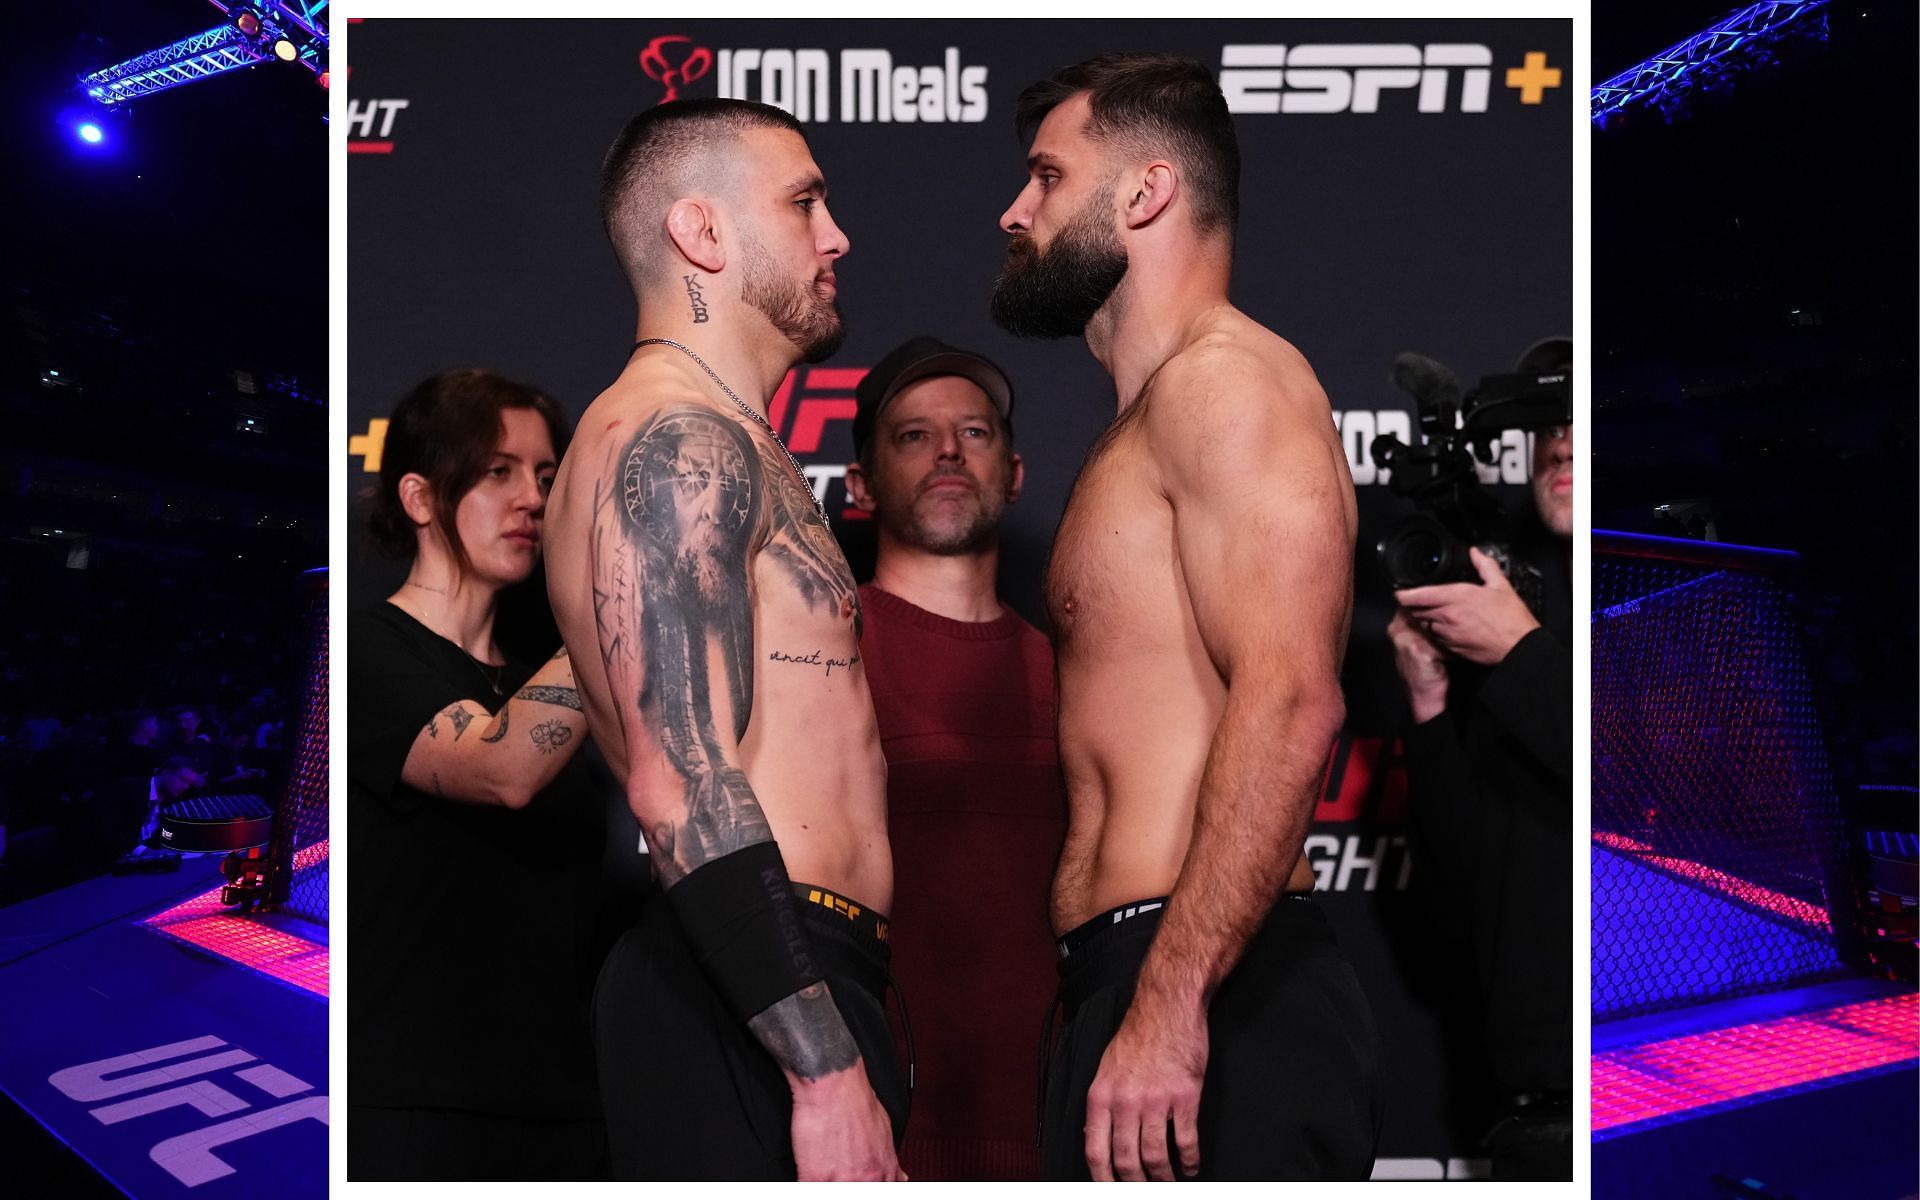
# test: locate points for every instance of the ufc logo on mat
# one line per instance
(164, 1078)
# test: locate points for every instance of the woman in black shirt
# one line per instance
(474, 839)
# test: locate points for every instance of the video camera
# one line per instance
(1453, 511)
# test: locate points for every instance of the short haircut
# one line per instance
(446, 429)
(655, 160)
(1154, 106)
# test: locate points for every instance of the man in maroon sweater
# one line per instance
(963, 688)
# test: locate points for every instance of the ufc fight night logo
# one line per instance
(1345, 78)
(370, 122)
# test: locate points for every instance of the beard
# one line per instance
(803, 314)
(1053, 293)
(945, 529)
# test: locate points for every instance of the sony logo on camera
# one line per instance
(1350, 78)
(872, 87)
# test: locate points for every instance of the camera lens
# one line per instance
(1419, 551)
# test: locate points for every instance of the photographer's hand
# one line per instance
(1422, 666)
(1479, 622)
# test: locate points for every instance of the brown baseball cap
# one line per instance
(922, 358)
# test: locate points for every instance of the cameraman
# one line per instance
(1489, 765)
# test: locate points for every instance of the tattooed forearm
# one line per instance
(805, 1034)
(562, 697)
(501, 732)
(549, 736)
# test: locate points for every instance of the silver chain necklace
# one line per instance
(747, 409)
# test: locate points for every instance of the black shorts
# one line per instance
(418, 1144)
(1293, 1088)
(689, 1093)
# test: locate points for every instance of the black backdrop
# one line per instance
(1432, 212)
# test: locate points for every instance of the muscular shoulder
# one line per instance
(639, 399)
(1236, 399)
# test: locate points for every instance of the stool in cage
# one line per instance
(209, 823)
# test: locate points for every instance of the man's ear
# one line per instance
(857, 490)
(1154, 189)
(416, 498)
(1018, 478)
(694, 228)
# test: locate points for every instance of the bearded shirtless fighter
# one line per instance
(1200, 591)
(714, 629)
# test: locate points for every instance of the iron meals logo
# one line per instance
(872, 87)
(1351, 78)
(672, 59)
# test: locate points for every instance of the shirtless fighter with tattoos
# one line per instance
(1200, 591)
(714, 629)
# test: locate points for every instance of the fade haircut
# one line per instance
(658, 158)
(1154, 106)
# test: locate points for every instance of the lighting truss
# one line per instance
(308, 21)
(302, 23)
(188, 60)
(1740, 41)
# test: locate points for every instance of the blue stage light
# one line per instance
(90, 133)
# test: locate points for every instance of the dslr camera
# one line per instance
(1452, 510)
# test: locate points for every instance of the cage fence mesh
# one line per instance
(1716, 830)
(299, 847)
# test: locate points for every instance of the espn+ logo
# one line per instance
(1351, 78)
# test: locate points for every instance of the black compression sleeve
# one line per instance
(740, 916)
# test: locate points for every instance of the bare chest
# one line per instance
(1113, 576)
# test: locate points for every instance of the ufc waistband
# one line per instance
(865, 923)
(1080, 937)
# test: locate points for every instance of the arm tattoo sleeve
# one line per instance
(676, 515)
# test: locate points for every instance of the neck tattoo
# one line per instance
(747, 409)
